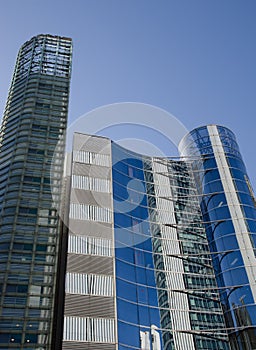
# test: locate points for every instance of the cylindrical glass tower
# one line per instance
(229, 213)
(34, 123)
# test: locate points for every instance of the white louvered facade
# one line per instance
(89, 284)
(86, 329)
(89, 245)
(90, 212)
(90, 183)
(89, 310)
(91, 158)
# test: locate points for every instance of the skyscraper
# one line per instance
(34, 123)
(228, 208)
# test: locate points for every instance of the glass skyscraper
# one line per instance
(34, 123)
(228, 208)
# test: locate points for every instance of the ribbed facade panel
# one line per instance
(94, 264)
(91, 158)
(91, 170)
(89, 308)
(92, 228)
(90, 183)
(78, 283)
(86, 329)
(90, 198)
(92, 306)
(87, 346)
(90, 212)
(92, 143)
(89, 245)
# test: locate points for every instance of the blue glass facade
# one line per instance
(228, 207)
(165, 284)
(137, 303)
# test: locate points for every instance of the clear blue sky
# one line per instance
(194, 58)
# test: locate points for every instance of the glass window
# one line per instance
(128, 334)
(141, 275)
(125, 271)
(125, 253)
(127, 312)
(126, 290)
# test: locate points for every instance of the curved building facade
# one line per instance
(229, 214)
(160, 290)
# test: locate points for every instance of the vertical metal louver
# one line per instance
(89, 245)
(90, 183)
(91, 158)
(90, 212)
(79, 283)
(86, 329)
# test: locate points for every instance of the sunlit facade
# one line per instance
(139, 271)
(34, 122)
(125, 251)
(228, 208)
(89, 311)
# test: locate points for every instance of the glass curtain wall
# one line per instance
(138, 315)
(33, 125)
(228, 206)
(166, 290)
